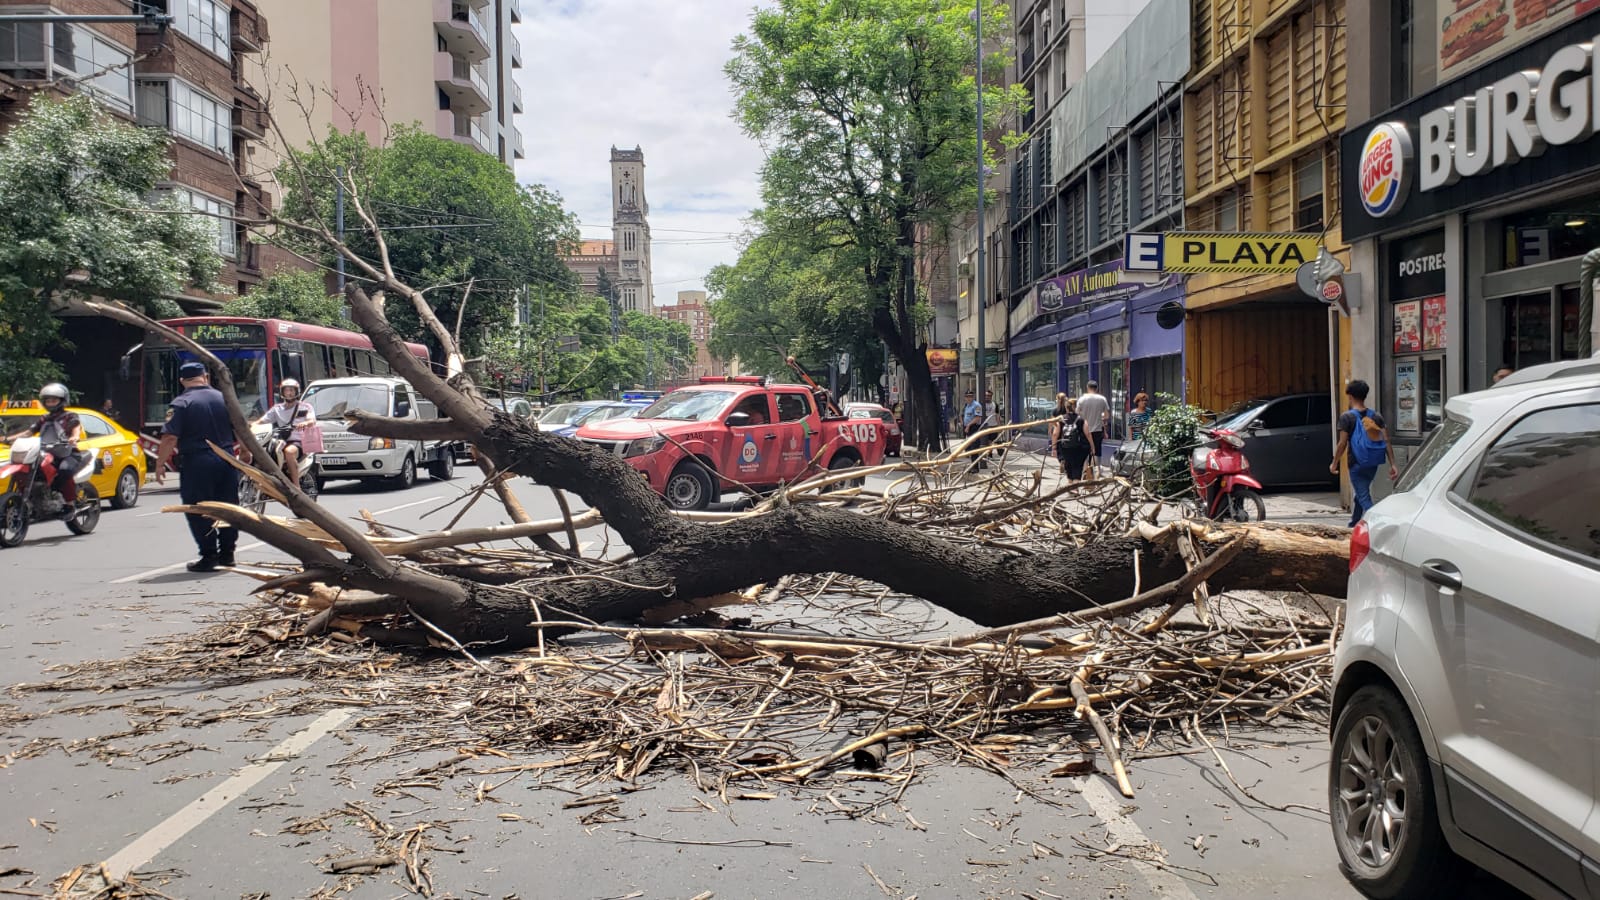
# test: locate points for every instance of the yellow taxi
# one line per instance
(120, 459)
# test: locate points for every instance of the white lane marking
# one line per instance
(1122, 831)
(150, 844)
(178, 565)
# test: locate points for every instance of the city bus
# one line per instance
(259, 353)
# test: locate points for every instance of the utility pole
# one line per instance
(338, 213)
(981, 290)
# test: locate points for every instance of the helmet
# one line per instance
(289, 383)
(54, 389)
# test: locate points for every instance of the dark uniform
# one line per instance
(197, 416)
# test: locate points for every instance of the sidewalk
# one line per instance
(1306, 507)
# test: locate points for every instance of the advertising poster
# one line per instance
(1433, 323)
(1408, 327)
(1407, 408)
(943, 362)
(1476, 31)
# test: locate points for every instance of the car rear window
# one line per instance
(1438, 444)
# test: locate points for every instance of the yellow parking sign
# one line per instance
(1194, 251)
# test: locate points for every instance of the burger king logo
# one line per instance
(1385, 169)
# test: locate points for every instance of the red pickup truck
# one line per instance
(728, 433)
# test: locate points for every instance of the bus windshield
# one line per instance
(246, 365)
(333, 401)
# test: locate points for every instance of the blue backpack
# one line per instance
(1369, 453)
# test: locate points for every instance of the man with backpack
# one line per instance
(1363, 438)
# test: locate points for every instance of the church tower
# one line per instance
(630, 230)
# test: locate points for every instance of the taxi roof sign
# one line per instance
(30, 403)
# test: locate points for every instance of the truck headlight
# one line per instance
(380, 444)
(643, 446)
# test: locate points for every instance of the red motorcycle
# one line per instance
(31, 499)
(1222, 488)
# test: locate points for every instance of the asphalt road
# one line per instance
(205, 810)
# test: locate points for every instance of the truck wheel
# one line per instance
(443, 468)
(689, 486)
(408, 474)
(847, 462)
(127, 489)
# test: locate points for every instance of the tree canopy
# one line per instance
(868, 110)
(294, 294)
(450, 215)
(76, 191)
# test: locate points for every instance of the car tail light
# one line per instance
(1360, 544)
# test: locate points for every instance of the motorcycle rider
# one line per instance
(59, 432)
(295, 414)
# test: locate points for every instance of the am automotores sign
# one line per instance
(1523, 120)
(1195, 252)
(1092, 285)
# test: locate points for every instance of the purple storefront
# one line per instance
(1091, 325)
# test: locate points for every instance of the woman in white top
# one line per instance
(295, 414)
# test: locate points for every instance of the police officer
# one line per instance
(197, 416)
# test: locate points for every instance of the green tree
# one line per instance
(293, 294)
(867, 109)
(76, 187)
(450, 216)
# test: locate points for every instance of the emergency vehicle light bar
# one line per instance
(733, 379)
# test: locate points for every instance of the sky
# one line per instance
(598, 73)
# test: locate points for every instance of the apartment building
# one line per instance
(370, 65)
(1264, 109)
(189, 79)
(691, 310)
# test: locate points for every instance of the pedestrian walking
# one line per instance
(1095, 411)
(197, 418)
(1139, 416)
(975, 418)
(1067, 437)
(1362, 437)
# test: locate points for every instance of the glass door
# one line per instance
(1526, 330)
(1567, 321)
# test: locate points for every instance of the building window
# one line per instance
(186, 112)
(1228, 212)
(1308, 193)
(77, 55)
(203, 21)
(218, 214)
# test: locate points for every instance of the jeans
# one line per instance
(1361, 483)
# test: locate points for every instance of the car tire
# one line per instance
(88, 514)
(1396, 850)
(443, 468)
(408, 474)
(841, 462)
(690, 486)
(126, 496)
(13, 520)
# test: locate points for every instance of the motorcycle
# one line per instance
(31, 499)
(1222, 488)
(275, 439)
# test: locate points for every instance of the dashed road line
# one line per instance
(1123, 832)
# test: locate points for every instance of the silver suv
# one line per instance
(1466, 705)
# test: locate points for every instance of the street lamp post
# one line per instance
(981, 289)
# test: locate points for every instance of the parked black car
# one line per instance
(1289, 439)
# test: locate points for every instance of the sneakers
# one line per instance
(203, 564)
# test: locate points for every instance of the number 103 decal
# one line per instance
(865, 432)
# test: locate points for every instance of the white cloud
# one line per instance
(599, 73)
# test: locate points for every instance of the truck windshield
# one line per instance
(688, 406)
(332, 401)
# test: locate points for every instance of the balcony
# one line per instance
(462, 82)
(463, 28)
(516, 11)
(516, 97)
(248, 29)
(516, 144)
(250, 118)
(461, 128)
(516, 52)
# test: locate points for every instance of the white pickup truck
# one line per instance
(346, 454)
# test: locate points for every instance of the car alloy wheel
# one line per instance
(1373, 789)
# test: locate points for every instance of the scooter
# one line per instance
(275, 439)
(31, 499)
(1222, 488)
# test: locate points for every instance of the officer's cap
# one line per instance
(191, 370)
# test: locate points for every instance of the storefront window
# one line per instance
(1077, 368)
(1038, 373)
(1418, 327)
(1156, 376)
(1114, 380)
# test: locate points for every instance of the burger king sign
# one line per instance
(1386, 160)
